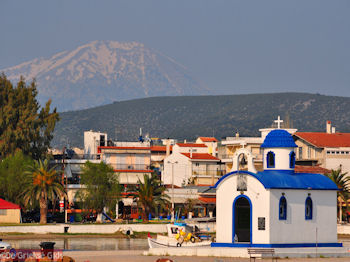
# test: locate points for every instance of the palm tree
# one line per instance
(151, 195)
(42, 184)
(342, 182)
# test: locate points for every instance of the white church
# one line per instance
(276, 207)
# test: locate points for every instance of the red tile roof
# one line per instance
(8, 205)
(124, 147)
(190, 145)
(311, 169)
(325, 139)
(201, 156)
(208, 139)
(160, 148)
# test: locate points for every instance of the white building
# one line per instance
(92, 140)
(190, 163)
(276, 207)
(330, 149)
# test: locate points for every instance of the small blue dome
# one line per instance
(278, 138)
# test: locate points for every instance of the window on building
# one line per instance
(292, 159)
(300, 153)
(3, 212)
(308, 208)
(309, 152)
(270, 160)
(283, 208)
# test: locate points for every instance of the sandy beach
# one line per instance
(136, 256)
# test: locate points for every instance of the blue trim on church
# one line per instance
(287, 179)
(277, 245)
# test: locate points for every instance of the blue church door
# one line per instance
(242, 220)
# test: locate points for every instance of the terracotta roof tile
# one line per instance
(200, 156)
(325, 139)
(208, 139)
(160, 148)
(8, 205)
(311, 169)
(190, 145)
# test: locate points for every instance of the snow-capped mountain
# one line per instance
(101, 72)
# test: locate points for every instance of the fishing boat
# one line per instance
(180, 235)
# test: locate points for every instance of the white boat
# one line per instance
(173, 239)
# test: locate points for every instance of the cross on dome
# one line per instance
(279, 121)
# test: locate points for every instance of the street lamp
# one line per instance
(172, 189)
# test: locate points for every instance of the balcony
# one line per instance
(131, 167)
(229, 157)
(208, 173)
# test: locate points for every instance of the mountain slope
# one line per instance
(190, 116)
(102, 72)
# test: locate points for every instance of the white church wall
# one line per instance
(296, 229)
(281, 158)
(225, 195)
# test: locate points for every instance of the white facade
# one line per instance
(92, 140)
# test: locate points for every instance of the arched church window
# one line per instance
(283, 208)
(292, 159)
(308, 208)
(270, 160)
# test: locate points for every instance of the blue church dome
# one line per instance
(278, 138)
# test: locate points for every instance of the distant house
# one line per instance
(191, 163)
(328, 149)
(9, 212)
(211, 143)
(130, 160)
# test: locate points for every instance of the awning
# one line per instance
(207, 200)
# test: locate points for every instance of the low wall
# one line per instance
(343, 229)
(92, 228)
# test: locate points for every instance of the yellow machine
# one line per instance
(182, 236)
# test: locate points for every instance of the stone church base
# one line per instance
(243, 252)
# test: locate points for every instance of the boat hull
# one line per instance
(155, 243)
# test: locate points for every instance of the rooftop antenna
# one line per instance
(140, 137)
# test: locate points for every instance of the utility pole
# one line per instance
(64, 183)
(172, 191)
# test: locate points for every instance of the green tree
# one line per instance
(342, 182)
(102, 187)
(42, 184)
(12, 177)
(24, 125)
(150, 195)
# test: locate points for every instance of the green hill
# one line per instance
(186, 117)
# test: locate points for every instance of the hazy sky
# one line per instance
(233, 47)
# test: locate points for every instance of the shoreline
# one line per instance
(119, 235)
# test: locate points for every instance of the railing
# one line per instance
(130, 167)
(230, 156)
(78, 156)
(208, 173)
(131, 144)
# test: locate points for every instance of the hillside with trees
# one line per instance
(186, 117)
